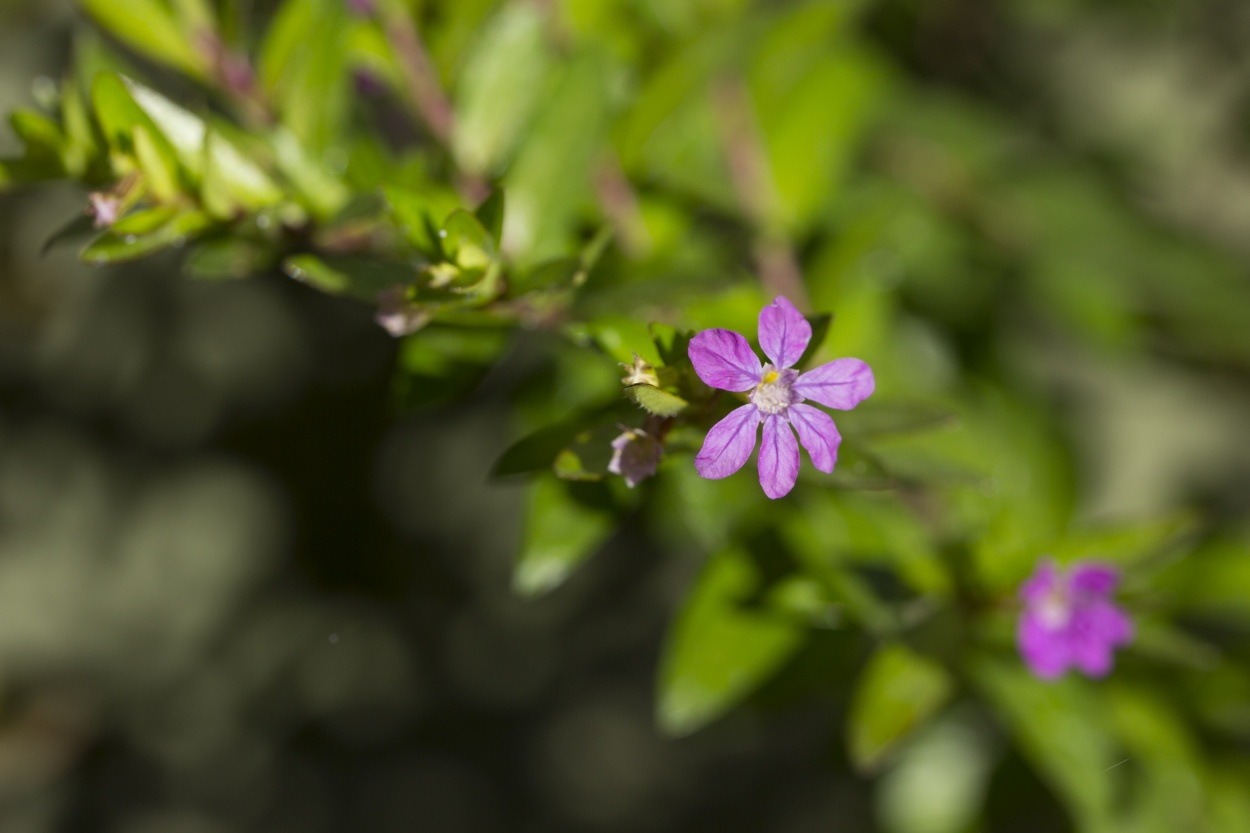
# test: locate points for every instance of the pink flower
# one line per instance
(724, 360)
(1069, 620)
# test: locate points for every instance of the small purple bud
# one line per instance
(106, 208)
(635, 455)
(398, 315)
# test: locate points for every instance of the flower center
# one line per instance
(1055, 610)
(774, 394)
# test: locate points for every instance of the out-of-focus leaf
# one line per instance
(302, 67)
(184, 130)
(112, 247)
(320, 191)
(227, 259)
(150, 28)
(75, 231)
(820, 329)
(415, 215)
(233, 184)
(560, 533)
(40, 134)
(672, 345)
(550, 179)
(130, 129)
(1062, 732)
(1169, 792)
(491, 213)
(718, 651)
(504, 78)
(897, 693)
(466, 241)
(160, 177)
(939, 782)
(537, 451)
(1127, 543)
(656, 400)
(358, 277)
(145, 221)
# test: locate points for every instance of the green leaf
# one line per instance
(560, 533)
(672, 345)
(466, 241)
(302, 68)
(233, 184)
(504, 78)
(358, 277)
(415, 216)
(718, 651)
(895, 695)
(161, 176)
(1127, 543)
(111, 247)
(1062, 732)
(939, 783)
(76, 230)
(149, 27)
(551, 177)
(323, 194)
(121, 118)
(656, 400)
(490, 214)
(227, 259)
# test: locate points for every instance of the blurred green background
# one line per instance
(239, 591)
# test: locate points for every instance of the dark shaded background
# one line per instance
(237, 594)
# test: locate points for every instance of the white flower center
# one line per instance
(774, 393)
(1055, 610)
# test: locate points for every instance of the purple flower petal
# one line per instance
(1045, 651)
(779, 457)
(818, 435)
(1040, 583)
(729, 444)
(1099, 579)
(724, 360)
(784, 332)
(841, 384)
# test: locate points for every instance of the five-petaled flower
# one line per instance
(724, 360)
(1069, 620)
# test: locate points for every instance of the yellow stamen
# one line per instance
(769, 377)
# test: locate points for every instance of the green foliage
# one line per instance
(895, 695)
(543, 203)
(721, 647)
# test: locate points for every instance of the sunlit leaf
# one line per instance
(896, 694)
(718, 652)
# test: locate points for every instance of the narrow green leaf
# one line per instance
(111, 247)
(719, 651)
(357, 277)
(897, 693)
